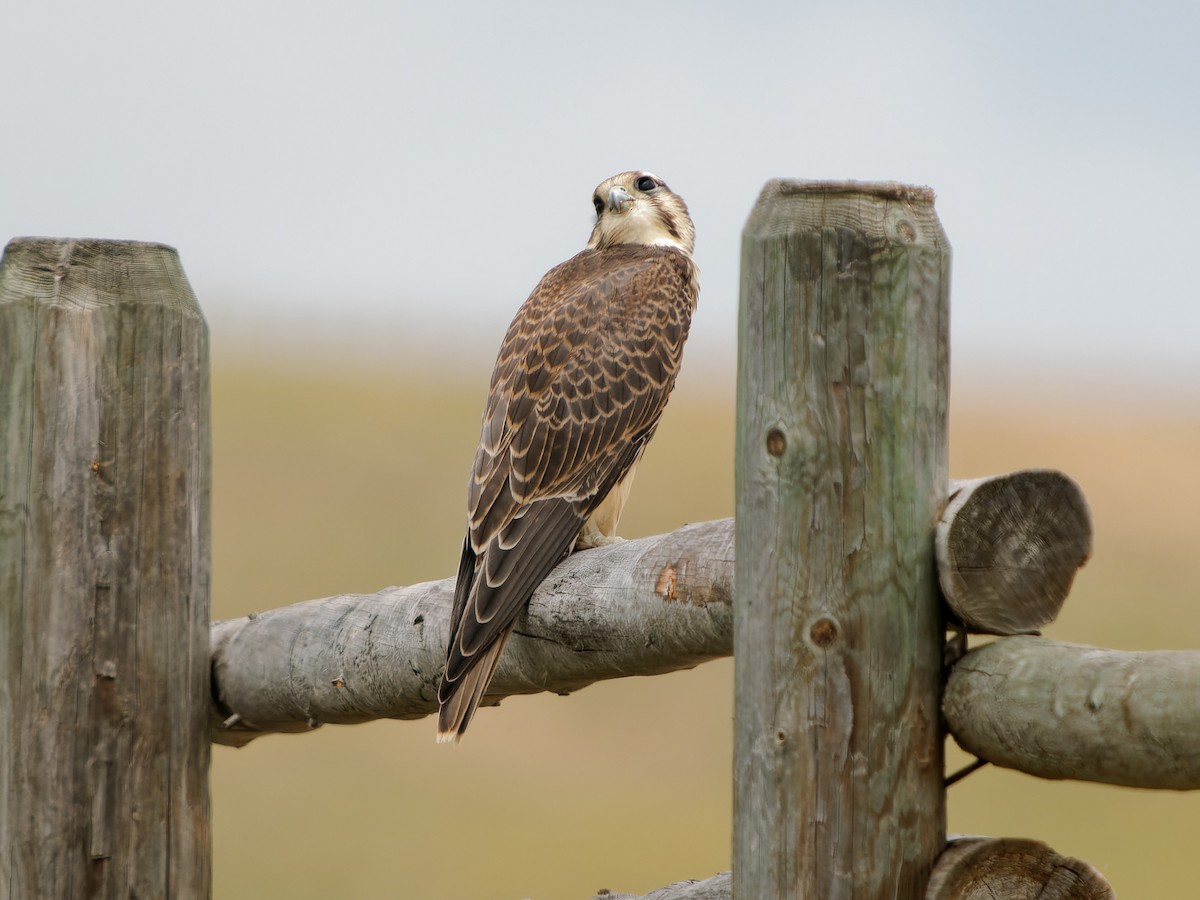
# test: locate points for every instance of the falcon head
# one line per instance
(638, 208)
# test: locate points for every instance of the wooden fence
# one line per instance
(104, 573)
(849, 534)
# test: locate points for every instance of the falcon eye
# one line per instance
(645, 184)
(599, 204)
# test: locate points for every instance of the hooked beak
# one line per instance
(618, 197)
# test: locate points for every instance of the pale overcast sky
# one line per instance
(414, 169)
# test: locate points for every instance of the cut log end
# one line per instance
(1008, 548)
(981, 868)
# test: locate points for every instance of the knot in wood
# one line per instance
(776, 442)
(823, 632)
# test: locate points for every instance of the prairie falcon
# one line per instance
(582, 377)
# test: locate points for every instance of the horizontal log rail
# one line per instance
(664, 603)
(969, 867)
(1060, 710)
(641, 607)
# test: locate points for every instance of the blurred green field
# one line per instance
(337, 478)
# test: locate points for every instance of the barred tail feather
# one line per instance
(462, 697)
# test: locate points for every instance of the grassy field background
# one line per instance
(339, 476)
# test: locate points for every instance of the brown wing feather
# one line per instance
(581, 380)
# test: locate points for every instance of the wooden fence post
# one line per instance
(104, 573)
(841, 472)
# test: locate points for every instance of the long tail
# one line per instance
(459, 699)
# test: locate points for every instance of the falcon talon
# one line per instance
(581, 380)
(592, 541)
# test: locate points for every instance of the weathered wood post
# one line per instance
(104, 573)
(841, 473)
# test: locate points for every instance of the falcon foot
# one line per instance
(588, 541)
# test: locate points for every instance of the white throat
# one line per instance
(637, 226)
